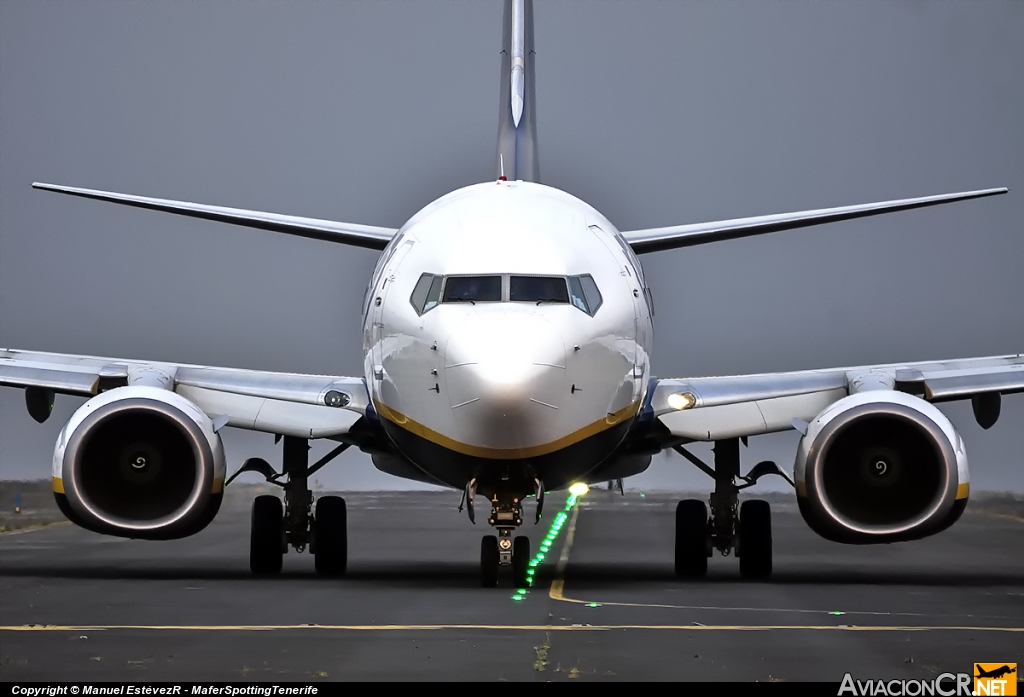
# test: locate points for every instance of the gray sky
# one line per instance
(656, 113)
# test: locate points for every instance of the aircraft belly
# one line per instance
(557, 468)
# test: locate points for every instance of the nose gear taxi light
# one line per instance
(579, 489)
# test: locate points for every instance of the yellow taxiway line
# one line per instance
(493, 627)
(557, 592)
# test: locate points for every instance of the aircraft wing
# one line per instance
(658, 239)
(315, 228)
(716, 408)
(290, 404)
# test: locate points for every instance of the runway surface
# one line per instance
(605, 605)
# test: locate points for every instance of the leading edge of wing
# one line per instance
(366, 236)
(291, 404)
(658, 239)
(940, 380)
(712, 408)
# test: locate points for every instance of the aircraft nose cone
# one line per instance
(505, 377)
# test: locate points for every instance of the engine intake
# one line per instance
(881, 466)
(139, 462)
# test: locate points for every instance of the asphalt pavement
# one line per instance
(605, 604)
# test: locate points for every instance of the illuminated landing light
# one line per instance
(682, 400)
(549, 539)
(579, 489)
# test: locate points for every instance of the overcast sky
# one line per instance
(656, 113)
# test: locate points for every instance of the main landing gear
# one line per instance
(503, 549)
(744, 529)
(276, 525)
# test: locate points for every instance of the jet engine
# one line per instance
(140, 462)
(881, 466)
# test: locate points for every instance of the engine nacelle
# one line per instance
(139, 462)
(881, 466)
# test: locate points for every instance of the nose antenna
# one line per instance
(501, 165)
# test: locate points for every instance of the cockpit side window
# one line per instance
(585, 294)
(590, 289)
(472, 289)
(537, 289)
(578, 298)
(426, 294)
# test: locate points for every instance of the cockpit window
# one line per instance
(426, 293)
(472, 289)
(585, 294)
(538, 289)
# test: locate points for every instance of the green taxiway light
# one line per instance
(545, 546)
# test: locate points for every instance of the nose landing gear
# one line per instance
(502, 549)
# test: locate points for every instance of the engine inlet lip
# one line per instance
(201, 451)
(940, 504)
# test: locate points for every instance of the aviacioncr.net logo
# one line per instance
(995, 679)
(946, 685)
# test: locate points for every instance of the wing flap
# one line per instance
(366, 236)
(658, 239)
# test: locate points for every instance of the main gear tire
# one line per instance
(266, 540)
(330, 536)
(691, 539)
(755, 540)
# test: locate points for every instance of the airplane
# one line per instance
(507, 336)
(995, 672)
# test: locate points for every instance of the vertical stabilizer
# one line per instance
(517, 115)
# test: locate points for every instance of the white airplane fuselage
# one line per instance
(506, 391)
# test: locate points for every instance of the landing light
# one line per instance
(681, 400)
(579, 489)
(336, 399)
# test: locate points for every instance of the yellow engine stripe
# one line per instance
(963, 491)
(433, 436)
(58, 485)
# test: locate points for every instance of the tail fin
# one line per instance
(517, 114)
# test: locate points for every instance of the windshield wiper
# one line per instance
(460, 300)
(549, 300)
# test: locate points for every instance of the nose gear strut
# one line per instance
(502, 549)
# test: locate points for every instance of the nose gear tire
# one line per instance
(330, 536)
(755, 540)
(266, 541)
(489, 561)
(691, 539)
(521, 561)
